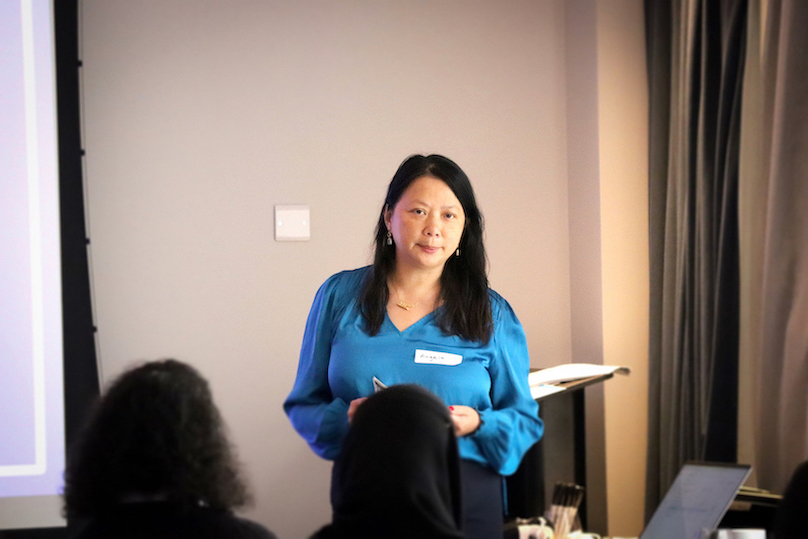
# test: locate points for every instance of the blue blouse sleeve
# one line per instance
(316, 415)
(512, 425)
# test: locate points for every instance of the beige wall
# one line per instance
(623, 121)
(200, 116)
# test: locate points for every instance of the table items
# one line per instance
(563, 513)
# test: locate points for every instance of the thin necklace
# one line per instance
(404, 305)
(407, 306)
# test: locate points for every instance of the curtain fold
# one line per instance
(696, 58)
(695, 65)
(782, 438)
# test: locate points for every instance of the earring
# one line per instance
(389, 238)
(458, 251)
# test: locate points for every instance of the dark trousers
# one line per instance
(482, 501)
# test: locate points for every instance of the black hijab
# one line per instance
(791, 519)
(398, 475)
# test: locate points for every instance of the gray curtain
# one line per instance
(695, 68)
(696, 85)
(782, 368)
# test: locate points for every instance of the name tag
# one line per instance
(437, 358)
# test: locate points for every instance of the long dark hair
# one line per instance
(463, 284)
(156, 432)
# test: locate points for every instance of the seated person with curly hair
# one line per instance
(154, 461)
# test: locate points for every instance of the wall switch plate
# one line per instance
(292, 223)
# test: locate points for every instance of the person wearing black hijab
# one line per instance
(791, 520)
(398, 475)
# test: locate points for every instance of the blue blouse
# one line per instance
(338, 361)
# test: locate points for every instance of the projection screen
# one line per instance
(32, 444)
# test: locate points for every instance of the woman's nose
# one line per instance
(431, 228)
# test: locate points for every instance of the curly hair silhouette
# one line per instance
(155, 434)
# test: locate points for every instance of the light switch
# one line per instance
(292, 223)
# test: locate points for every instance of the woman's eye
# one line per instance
(450, 215)
(418, 211)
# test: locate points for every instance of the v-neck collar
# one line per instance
(420, 322)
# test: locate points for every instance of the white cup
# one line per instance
(748, 534)
(738, 533)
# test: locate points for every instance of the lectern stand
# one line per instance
(563, 447)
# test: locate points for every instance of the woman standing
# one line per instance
(423, 314)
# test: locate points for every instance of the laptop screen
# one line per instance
(697, 499)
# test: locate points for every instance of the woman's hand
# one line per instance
(353, 406)
(466, 419)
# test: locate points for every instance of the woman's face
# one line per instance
(426, 223)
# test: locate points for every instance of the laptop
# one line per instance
(698, 498)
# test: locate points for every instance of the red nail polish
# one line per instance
(451, 408)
